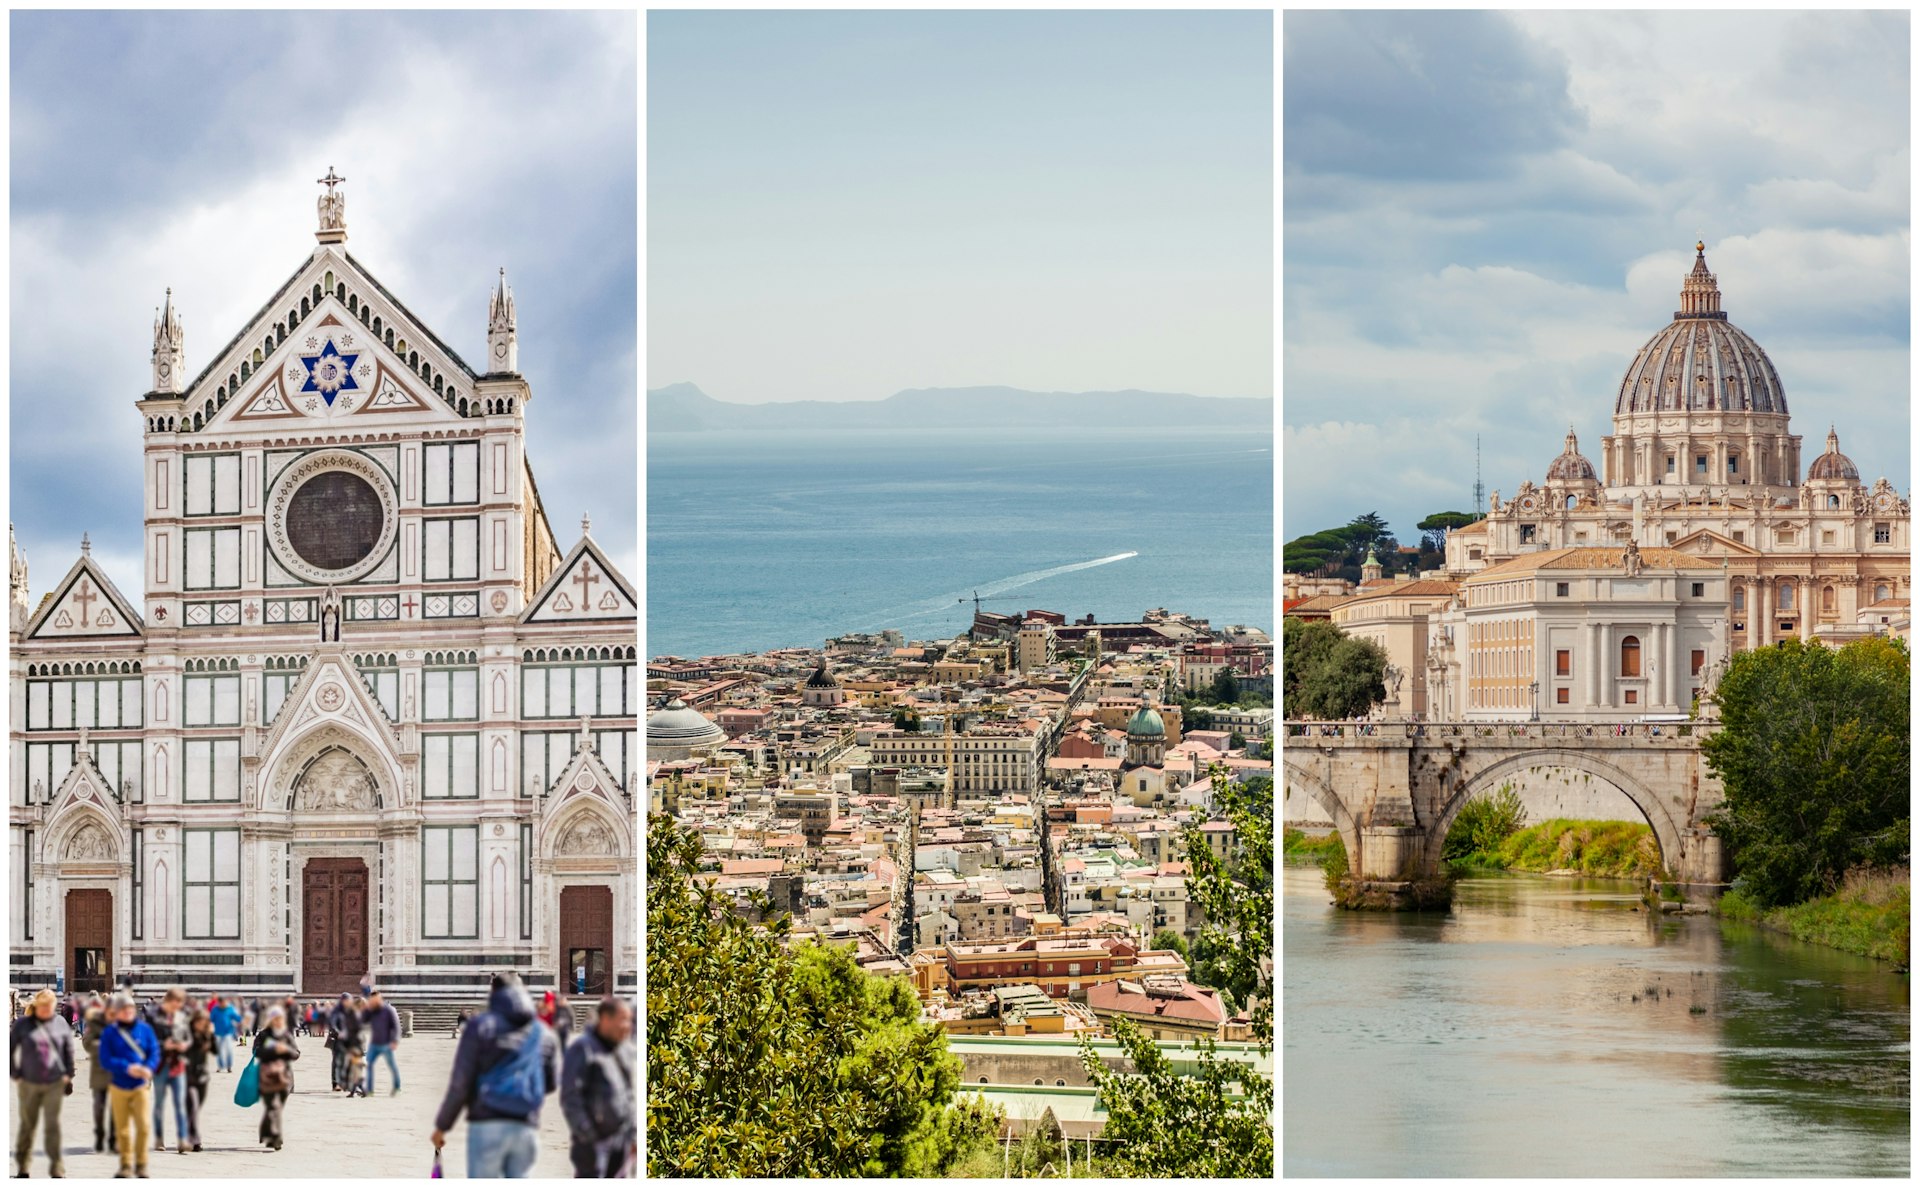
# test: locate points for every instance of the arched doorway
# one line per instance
(586, 940)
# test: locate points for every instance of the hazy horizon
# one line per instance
(950, 388)
(844, 205)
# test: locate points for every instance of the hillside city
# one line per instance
(997, 818)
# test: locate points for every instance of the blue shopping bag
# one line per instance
(247, 1092)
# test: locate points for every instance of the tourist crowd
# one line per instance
(144, 1058)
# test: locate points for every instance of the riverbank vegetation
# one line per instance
(1870, 915)
(1603, 849)
(1816, 757)
(1301, 848)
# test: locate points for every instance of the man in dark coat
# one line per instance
(508, 1035)
(596, 1093)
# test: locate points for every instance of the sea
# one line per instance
(765, 540)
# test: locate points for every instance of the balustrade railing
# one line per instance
(1681, 732)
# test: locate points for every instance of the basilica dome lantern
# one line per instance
(1701, 406)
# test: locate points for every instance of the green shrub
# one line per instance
(1483, 823)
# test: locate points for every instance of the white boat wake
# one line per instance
(950, 602)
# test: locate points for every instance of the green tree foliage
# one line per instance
(1483, 823)
(1214, 1123)
(770, 1060)
(1340, 550)
(1434, 529)
(1236, 895)
(1326, 673)
(1167, 938)
(1226, 687)
(1815, 757)
(906, 719)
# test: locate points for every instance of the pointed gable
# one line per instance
(330, 692)
(584, 589)
(1707, 543)
(586, 821)
(331, 343)
(85, 605)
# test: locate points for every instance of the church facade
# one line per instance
(365, 719)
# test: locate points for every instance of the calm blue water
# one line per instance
(758, 541)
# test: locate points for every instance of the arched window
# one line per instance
(1826, 600)
(1630, 656)
(1879, 593)
(1739, 598)
(1833, 501)
(1786, 597)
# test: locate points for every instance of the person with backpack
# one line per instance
(130, 1051)
(596, 1094)
(98, 1081)
(40, 1059)
(274, 1052)
(226, 1027)
(507, 1063)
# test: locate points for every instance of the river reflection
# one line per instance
(1545, 1027)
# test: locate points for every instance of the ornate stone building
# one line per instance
(1702, 460)
(364, 718)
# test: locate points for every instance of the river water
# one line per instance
(1504, 1038)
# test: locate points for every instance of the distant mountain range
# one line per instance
(683, 408)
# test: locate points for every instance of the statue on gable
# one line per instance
(1631, 558)
(333, 204)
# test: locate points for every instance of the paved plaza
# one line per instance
(327, 1134)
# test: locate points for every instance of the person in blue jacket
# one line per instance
(130, 1052)
(226, 1025)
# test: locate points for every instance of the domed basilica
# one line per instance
(1702, 461)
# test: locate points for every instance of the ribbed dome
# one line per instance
(1701, 362)
(1146, 724)
(822, 679)
(1833, 464)
(1571, 466)
(679, 726)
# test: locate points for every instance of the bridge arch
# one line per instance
(1298, 774)
(1666, 834)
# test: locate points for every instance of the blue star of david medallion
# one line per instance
(329, 373)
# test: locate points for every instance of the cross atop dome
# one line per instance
(333, 210)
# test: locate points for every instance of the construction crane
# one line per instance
(977, 601)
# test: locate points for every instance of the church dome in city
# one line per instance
(679, 728)
(1571, 466)
(1701, 362)
(1146, 724)
(822, 679)
(1833, 464)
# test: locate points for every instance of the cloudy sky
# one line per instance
(842, 205)
(1487, 215)
(180, 149)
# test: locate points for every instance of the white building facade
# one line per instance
(364, 720)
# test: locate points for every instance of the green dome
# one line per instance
(1146, 724)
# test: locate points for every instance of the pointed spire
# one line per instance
(1699, 293)
(169, 350)
(1573, 443)
(1833, 440)
(503, 340)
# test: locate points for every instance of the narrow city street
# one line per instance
(327, 1134)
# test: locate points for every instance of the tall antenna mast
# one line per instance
(1479, 488)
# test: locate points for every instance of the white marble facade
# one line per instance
(364, 711)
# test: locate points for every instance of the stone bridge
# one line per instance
(1394, 788)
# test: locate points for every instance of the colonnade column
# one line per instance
(1809, 606)
(1757, 612)
(1673, 662)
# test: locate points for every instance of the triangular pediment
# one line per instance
(85, 605)
(83, 818)
(332, 343)
(1705, 542)
(587, 819)
(330, 692)
(585, 588)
